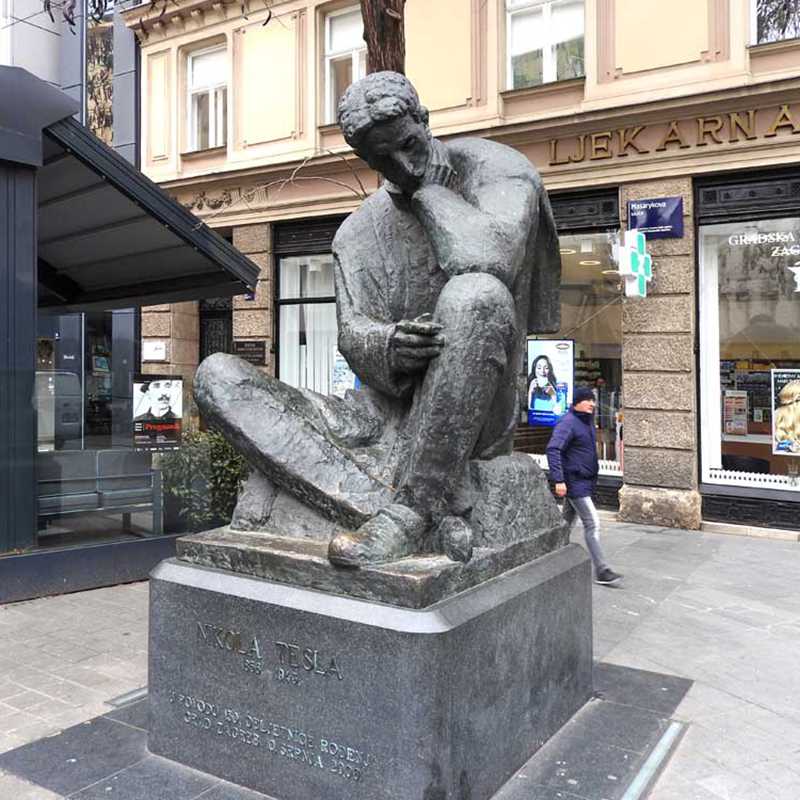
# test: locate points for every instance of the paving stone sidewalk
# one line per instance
(723, 611)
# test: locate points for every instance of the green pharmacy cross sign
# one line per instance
(635, 263)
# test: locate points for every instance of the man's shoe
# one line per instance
(395, 532)
(607, 577)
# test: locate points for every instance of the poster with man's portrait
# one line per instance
(157, 412)
(551, 380)
(785, 412)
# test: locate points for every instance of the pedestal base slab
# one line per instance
(306, 695)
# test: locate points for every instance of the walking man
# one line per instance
(572, 458)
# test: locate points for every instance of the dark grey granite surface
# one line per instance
(305, 695)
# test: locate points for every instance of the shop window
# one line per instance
(775, 20)
(545, 41)
(590, 352)
(307, 332)
(345, 56)
(119, 453)
(91, 483)
(207, 77)
(750, 353)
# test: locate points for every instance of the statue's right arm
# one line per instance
(364, 341)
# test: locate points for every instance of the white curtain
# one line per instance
(289, 323)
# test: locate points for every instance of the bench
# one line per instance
(85, 481)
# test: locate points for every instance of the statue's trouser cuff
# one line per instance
(464, 389)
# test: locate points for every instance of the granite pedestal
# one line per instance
(308, 695)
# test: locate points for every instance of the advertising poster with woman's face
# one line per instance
(157, 412)
(786, 412)
(550, 380)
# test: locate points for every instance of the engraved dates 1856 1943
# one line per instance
(287, 662)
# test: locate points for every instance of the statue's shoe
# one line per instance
(454, 538)
(394, 532)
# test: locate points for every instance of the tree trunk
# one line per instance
(384, 34)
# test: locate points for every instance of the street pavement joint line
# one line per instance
(654, 762)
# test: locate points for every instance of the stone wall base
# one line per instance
(672, 508)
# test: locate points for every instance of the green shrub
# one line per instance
(202, 480)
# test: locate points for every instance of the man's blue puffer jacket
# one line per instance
(572, 453)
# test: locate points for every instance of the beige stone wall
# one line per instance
(659, 382)
(253, 320)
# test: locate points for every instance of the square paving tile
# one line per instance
(78, 757)
(153, 778)
(652, 691)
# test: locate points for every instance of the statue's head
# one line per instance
(383, 121)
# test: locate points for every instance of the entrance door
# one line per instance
(216, 326)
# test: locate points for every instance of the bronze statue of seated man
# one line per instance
(439, 276)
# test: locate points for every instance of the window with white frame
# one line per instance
(345, 55)
(207, 78)
(775, 20)
(545, 41)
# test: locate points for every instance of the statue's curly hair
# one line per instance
(379, 97)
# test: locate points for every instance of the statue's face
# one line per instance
(399, 149)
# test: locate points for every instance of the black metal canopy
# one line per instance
(110, 238)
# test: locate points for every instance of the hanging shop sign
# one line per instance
(254, 352)
(635, 263)
(157, 412)
(786, 412)
(551, 380)
(658, 218)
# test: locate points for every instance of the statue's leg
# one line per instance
(468, 396)
(298, 440)
(466, 402)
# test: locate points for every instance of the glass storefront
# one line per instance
(91, 484)
(120, 454)
(591, 323)
(750, 353)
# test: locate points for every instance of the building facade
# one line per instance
(691, 106)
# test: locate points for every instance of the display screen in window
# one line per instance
(750, 318)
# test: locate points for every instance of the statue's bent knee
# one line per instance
(475, 296)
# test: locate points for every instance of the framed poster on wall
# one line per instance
(785, 412)
(157, 412)
(551, 380)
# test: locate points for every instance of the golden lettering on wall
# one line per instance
(684, 134)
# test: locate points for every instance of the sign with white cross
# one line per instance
(635, 263)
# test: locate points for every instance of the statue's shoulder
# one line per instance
(360, 225)
(488, 160)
